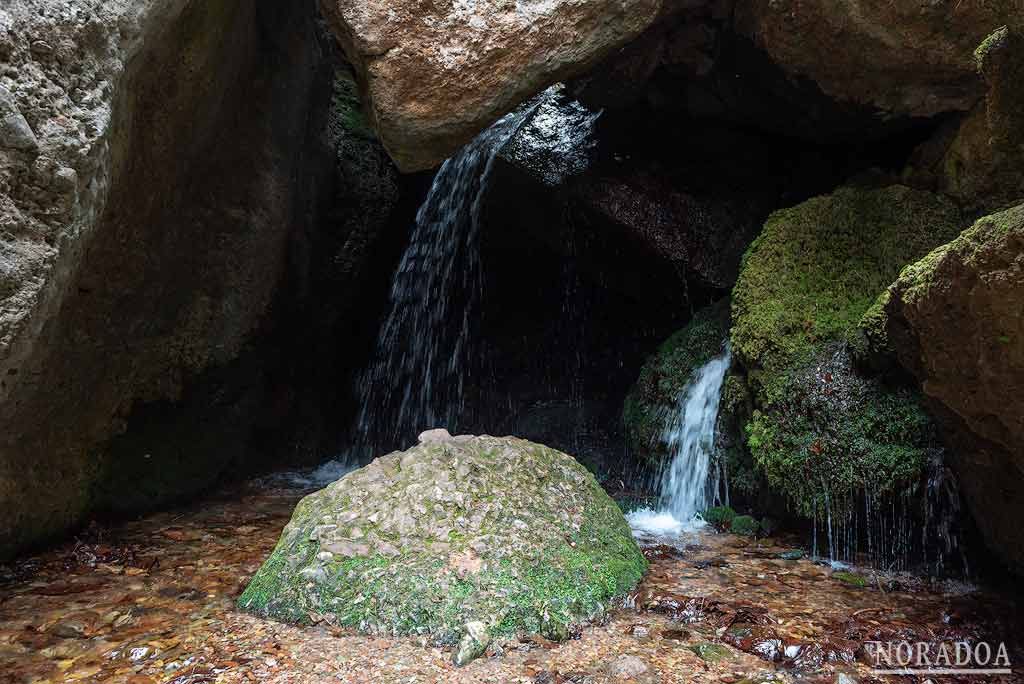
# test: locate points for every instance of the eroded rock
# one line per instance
(436, 74)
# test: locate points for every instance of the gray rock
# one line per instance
(626, 668)
(435, 435)
(15, 133)
(473, 643)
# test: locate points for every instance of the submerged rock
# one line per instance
(437, 74)
(453, 532)
(954, 321)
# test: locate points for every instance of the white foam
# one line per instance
(647, 521)
(315, 478)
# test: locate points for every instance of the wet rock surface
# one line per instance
(152, 602)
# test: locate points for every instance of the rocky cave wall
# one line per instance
(174, 203)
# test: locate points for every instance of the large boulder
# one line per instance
(820, 430)
(163, 167)
(451, 533)
(954, 320)
(435, 74)
(901, 59)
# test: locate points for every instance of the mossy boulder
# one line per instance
(664, 376)
(454, 531)
(817, 267)
(953, 320)
(820, 429)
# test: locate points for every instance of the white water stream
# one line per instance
(690, 437)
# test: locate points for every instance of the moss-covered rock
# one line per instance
(664, 376)
(819, 429)
(456, 530)
(817, 267)
(953, 319)
(719, 516)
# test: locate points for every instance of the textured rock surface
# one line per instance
(954, 320)
(436, 74)
(142, 247)
(904, 59)
(454, 531)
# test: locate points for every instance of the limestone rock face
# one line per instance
(954, 320)
(140, 245)
(449, 534)
(435, 74)
(904, 59)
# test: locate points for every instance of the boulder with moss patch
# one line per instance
(452, 532)
(953, 319)
(821, 431)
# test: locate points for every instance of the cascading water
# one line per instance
(423, 358)
(690, 436)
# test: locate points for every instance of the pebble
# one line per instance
(626, 668)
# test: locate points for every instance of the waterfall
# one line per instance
(690, 435)
(423, 354)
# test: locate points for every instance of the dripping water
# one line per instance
(690, 436)
(423, 356)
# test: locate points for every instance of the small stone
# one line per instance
(641, 632)
(626, 667)
(40, 48)
(843, 678)
(15, 133)
(435, 435)
(473, 643)
(65, 180)
(68, 629)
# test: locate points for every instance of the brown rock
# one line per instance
(435, 74)
(954, 320)
(905, 59)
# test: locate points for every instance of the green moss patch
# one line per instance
(817, 267)
(510, 533)
(744, 525)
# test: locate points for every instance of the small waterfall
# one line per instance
(423, 357)
(690, 436)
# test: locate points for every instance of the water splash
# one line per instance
(690, 436)
(423, 357)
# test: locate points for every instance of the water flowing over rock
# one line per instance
(417, 378)
(449, 537)
(690, 436)
(437, 74)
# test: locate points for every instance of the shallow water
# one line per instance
(152, 601)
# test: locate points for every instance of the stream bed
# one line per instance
(152, 601)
